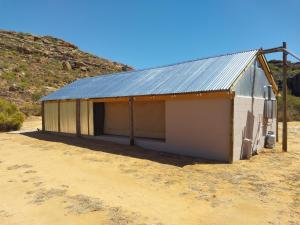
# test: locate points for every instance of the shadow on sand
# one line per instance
(118, 149)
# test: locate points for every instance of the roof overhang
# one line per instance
(183, 96)
(264, 64)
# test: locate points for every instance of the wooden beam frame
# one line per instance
(231, 142)
(284, 93)
(43, 115)
(88, 116)
(58, 115)
(277, 139)
(263, 62)
(285, 53)
(197, 95)
(131, 125)
(216, 94)
(271, 50)
(78, 128)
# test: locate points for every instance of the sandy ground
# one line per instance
(49, 179)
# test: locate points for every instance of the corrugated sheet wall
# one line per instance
(51, 116)
(253, 81)
(68, 117)
(86, 117)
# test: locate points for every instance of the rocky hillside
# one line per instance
(276, 68)
(293, 82)
(32, 66)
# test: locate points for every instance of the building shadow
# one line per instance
(119, 149)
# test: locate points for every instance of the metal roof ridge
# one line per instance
(172, 64)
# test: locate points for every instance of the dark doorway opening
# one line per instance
(98, 114)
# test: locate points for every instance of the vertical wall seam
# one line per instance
(88, 115)
(78, 130)
(58, 115)
(131, 125)
(43, 115)
(231, 147)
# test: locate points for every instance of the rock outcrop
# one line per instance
(32, 66)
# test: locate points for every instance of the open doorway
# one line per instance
(98, 115)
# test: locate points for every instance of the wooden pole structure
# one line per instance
(88, 115)
(131, 125)
(277, 136)
(58, 116)
(78, 130)
(43, 115)
(284, 97)
(285, 53)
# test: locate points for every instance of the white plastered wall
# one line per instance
(249, 123)
(51, 116)
(250, 127)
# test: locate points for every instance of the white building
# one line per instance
(217, 108)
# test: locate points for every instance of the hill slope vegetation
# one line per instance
(32, 66)
(293, 102)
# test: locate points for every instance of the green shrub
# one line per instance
(293, 110)
(9, 76)
(10, 116)
(31, 109)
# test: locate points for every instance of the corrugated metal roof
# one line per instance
(201, 75)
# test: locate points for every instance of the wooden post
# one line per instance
(58, 115)
(284, 97)
(277, 137)
(43, 115)
(131, 125)
(231, 145)
(78, 131)
(88, 115)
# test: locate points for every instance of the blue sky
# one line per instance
(147, 33)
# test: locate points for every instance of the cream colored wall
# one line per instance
(91, 118)
(248, 123)
(116, 119)
(68, 117)
(149, 119)
(199, 127)
(86, 122)
(51, 116)
(84, 125)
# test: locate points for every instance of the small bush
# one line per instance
(31, 109)
(10, 116)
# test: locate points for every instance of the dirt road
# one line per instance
(49, 179)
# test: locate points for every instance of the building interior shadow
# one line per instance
(118, 149)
